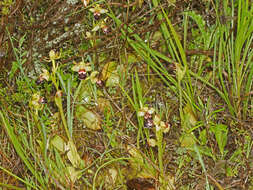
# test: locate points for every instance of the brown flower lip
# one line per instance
(82, 74)
(100, 83)
(106, 29)
(147, 116)
(96, 15)
(58, 94)
(42, 100)
(148, 123)
(39, 81)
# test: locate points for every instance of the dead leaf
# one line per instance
(140, 184)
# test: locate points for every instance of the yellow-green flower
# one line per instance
(151, 142)
(166, 128)
(161, 125)
(37, 101)
(146, 112)
(157, 122)
(88, 35)
(82, 69)
(93, 77)
(85, 2)
(54, 55)
(97, 11)
(101, 25)
(43, 76)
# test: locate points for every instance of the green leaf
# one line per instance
(206, 151)
(14, 68)
(108, 69)
(19, 149)
(73, 155)
(180, 71)
(187, 140)
(73, 173)
(58, 143)
(113, 80)
(220, 131)
(203, 137)
(90, 119)
(131, 58)
(190, 118)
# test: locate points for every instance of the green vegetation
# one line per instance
(128, 95)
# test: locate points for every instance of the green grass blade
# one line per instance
(19, 150)
(16, 177)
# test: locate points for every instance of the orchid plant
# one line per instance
(151, 119)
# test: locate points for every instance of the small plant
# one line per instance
(5, 6)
